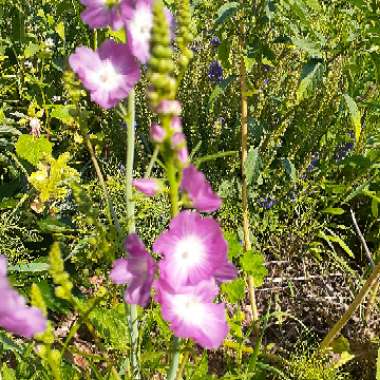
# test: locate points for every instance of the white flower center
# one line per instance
(107, 77)
(189, 251)
(188, 308)
(141, 24)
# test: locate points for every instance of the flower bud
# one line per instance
(157, 133)
(148, 186)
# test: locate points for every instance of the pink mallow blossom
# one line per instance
(198, 189)
(193, 249)
(136, 271)
(109, 73)
(138, 20)
(191, 313)
(102, 13)
(148, 186)
(15, 315)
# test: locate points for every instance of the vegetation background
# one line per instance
(313, 71)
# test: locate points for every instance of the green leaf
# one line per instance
(234, 246)
(290, 169)
(253, 264)
(9, 344)
(312, 48)
(63, 113)
(336, 239)
(235, 290)
(375, 207)
(311, 75)
(60, 29)
(33, 149)
(333, 211)
(31, 50)
(220, 88)
(226, 11)
(29, 267)
(7, 373)
(253, 166)
(355, 116)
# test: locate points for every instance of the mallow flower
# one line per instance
(191, 313)
(193, 248)
(148, 186)
(102, 13)
(199, 191)
(15, 315)
(109, 73)
(136, 271)
(138, 20)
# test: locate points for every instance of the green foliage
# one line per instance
(33, 149)
(253, 263)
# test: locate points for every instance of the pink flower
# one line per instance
(137, 271)
(102, 13)
(149, 187)
(170, 107)
(191, 313)
(108, 73)
(15, 315)
(226, 272)
(193, 248)
(199, 190)
(157, 133)
(176, 124)
(138, 21)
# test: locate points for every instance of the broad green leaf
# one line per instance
(226, 11)
(290, 169)
(31, 50)
(234, 246)
(235, 290)
(253, 166)
(312, 48)
(253, 264)
(355, 116)
(33, 149)
(333, 211)
(63, 113)
(311, 75)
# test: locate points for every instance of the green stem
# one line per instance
(112, 217)
(132, 315)
(172, 374)
(152, 162)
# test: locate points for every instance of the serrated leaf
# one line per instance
(33, 149)
(226, 11)
(63, 113)
(235, 290)
(253, 166)
(355, 116)
(253, 264)
(333, 211)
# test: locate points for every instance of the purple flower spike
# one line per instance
(138, 21)
(108, 73)
(193, 248)
(15, 315)
(191, 313)
(199, 190)
(137, 271)
(149, 187)
(215, 72)
(100, 14)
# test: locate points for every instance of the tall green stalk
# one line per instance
(132, 309)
